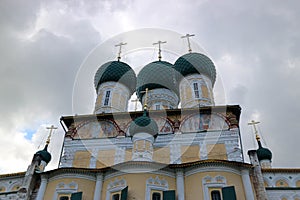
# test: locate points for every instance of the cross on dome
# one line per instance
(187, 36)
(120, 49)
(159, 48)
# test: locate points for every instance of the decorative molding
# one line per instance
(155, 184)
(63, 188)
(114, 186)
(212, 182)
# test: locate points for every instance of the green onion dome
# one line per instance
(196, 63)
(155, 75)
(45, 155)
(143, 124)
(263, 153)
(116, 71)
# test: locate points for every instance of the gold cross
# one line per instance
(51, 130)
(254, 123)
(159, 48)
(146, 98)
(187, 36)
(120, 48)
(135, 100)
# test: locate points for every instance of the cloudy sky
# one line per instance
(254, 44)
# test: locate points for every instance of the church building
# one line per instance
(181, 146)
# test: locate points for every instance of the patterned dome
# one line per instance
(263, 154)
(193, 63)
(118, 72)
(143, 124)
(46, 156)
(158, 74)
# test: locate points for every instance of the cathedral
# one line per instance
(180, 146)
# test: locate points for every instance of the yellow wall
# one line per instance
(137, 184)
(85, 186)
(190, 153)
(193, 184)
(298, 183)
(105, 158)
(82, 159)
(216, 151)
(281, 183)
(161, 155)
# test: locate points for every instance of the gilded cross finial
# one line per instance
(159, 48)
(254, 123)
(187, 36)
(50, 133)
(146, 98)
(120, 49)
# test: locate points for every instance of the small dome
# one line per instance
(264, 154)
(46, 156)
(143, 124)
(196, 63)
(158, 74)
(118, 72)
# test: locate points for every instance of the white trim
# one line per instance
(210, 169)
(212, 182)
(72, 176)
(115, 186)
(155, 184)
(63, 188)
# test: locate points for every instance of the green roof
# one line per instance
(263, 154)
(118, 72)
(196, 63)
(158, 74)
(143, 124)
(46, 156)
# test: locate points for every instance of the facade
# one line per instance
(165, 152)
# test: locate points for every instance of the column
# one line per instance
(42, 189)
(180, 184)
(98, 187)
(247, 185)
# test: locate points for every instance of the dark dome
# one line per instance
(118, 72)
(45, 155)
(158, 74)
(263, 154)
(143, 124)
(196, 63)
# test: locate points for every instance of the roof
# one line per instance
(69, 120)
(196, 63)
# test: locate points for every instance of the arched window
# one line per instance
(215, 195)
(107, 94)
(156, 196)
(196, 90)
(64, 198)
(116, 197)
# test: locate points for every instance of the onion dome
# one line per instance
(143, 124)
(116, 71)
(263, 153)
(45, 155)
(158, 74)
(196, 63)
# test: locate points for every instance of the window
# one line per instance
(116, 197)
(106, 100)
(157, 107)
(156, 196)
(196, 90)
(215, 195)
(64, 198)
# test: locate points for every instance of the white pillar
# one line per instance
(42, 189)
(98, 187)
(247, 185)
(180, 184)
